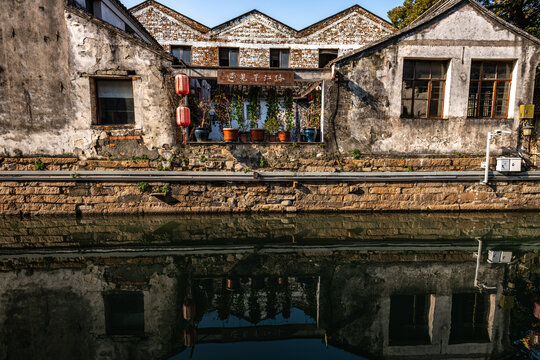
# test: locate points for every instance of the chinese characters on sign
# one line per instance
(256, 77)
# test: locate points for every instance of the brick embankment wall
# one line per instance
(70, 198)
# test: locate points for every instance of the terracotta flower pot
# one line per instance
(272, 138)
(230, 134)
(284, 136)
(244, 137)
(257, 135)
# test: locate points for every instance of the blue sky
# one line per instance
(295, 13)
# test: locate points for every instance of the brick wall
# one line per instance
(255, 34)
(70, 198)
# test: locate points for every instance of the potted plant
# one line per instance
(271, 123)
(202, 132)
(237, 107)
(313, 116)
(285, 135)
(253, 109)
(222, 108)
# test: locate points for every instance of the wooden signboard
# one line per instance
(256, 77)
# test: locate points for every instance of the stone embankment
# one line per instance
(70, 198)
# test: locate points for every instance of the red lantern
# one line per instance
(310, 97)
(183, 116)
(181, 84)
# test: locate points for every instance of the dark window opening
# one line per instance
(489, 92)
(327, 55)
(279, 58)
(469, 318)
(87, 5)
(182, 53)
(228, 57)
(124, 313)
(422, 92)
(114, 102)
(409, 318)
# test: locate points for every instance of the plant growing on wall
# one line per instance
(222, 108)
(271, 122)
(289, 113)
(237, 106)
(253, 107)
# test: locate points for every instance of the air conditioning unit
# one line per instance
(499, 257)
(505, 164)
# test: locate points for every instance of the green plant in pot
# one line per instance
(237, 107)
(288, 116)
(254, 110)
(222, 108)
(272, 123)
(313, 120)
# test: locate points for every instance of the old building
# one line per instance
(99, 77)
(436, 87)
(257, 40)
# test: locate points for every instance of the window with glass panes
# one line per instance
(422, 92)
(228, 57)
(489, 92)
(182, 53)
(279, 58)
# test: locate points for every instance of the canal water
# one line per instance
(313, 286)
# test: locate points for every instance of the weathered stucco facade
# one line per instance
(48, 103)
(364, 103)
(255, 33)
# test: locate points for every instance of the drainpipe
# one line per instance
(480, 286)
(490, 135)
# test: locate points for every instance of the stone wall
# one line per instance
(70, 198)
(255, 34)
(363, 105)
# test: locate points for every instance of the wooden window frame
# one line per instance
(183, 48)
(280, 64)
(229, 52)
(494, 89)
(96, 121)
(430, 81)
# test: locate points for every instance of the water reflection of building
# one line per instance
(378, 304)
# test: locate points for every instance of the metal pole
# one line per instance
(486, 173)
(477, 263)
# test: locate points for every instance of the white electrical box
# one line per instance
(508, 164)
(499, 257)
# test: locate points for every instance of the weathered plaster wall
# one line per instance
(255, 34)
(49, 56)
(363, 105)
(35, 91)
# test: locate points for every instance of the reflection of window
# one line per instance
(422, 93)
(327, 55)
(489, 91)
(228, 57)
(409, 317)
(182, 53)
(469, 318)
(279, 58)
(124, 313)
(114, 102)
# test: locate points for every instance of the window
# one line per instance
(182, 53)
(228, 57)
(114, 102)
(422, 92)
(489, 91)
(124, 313)
(469, 318)
(409, 317)
(279, 58)
(327, 55)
